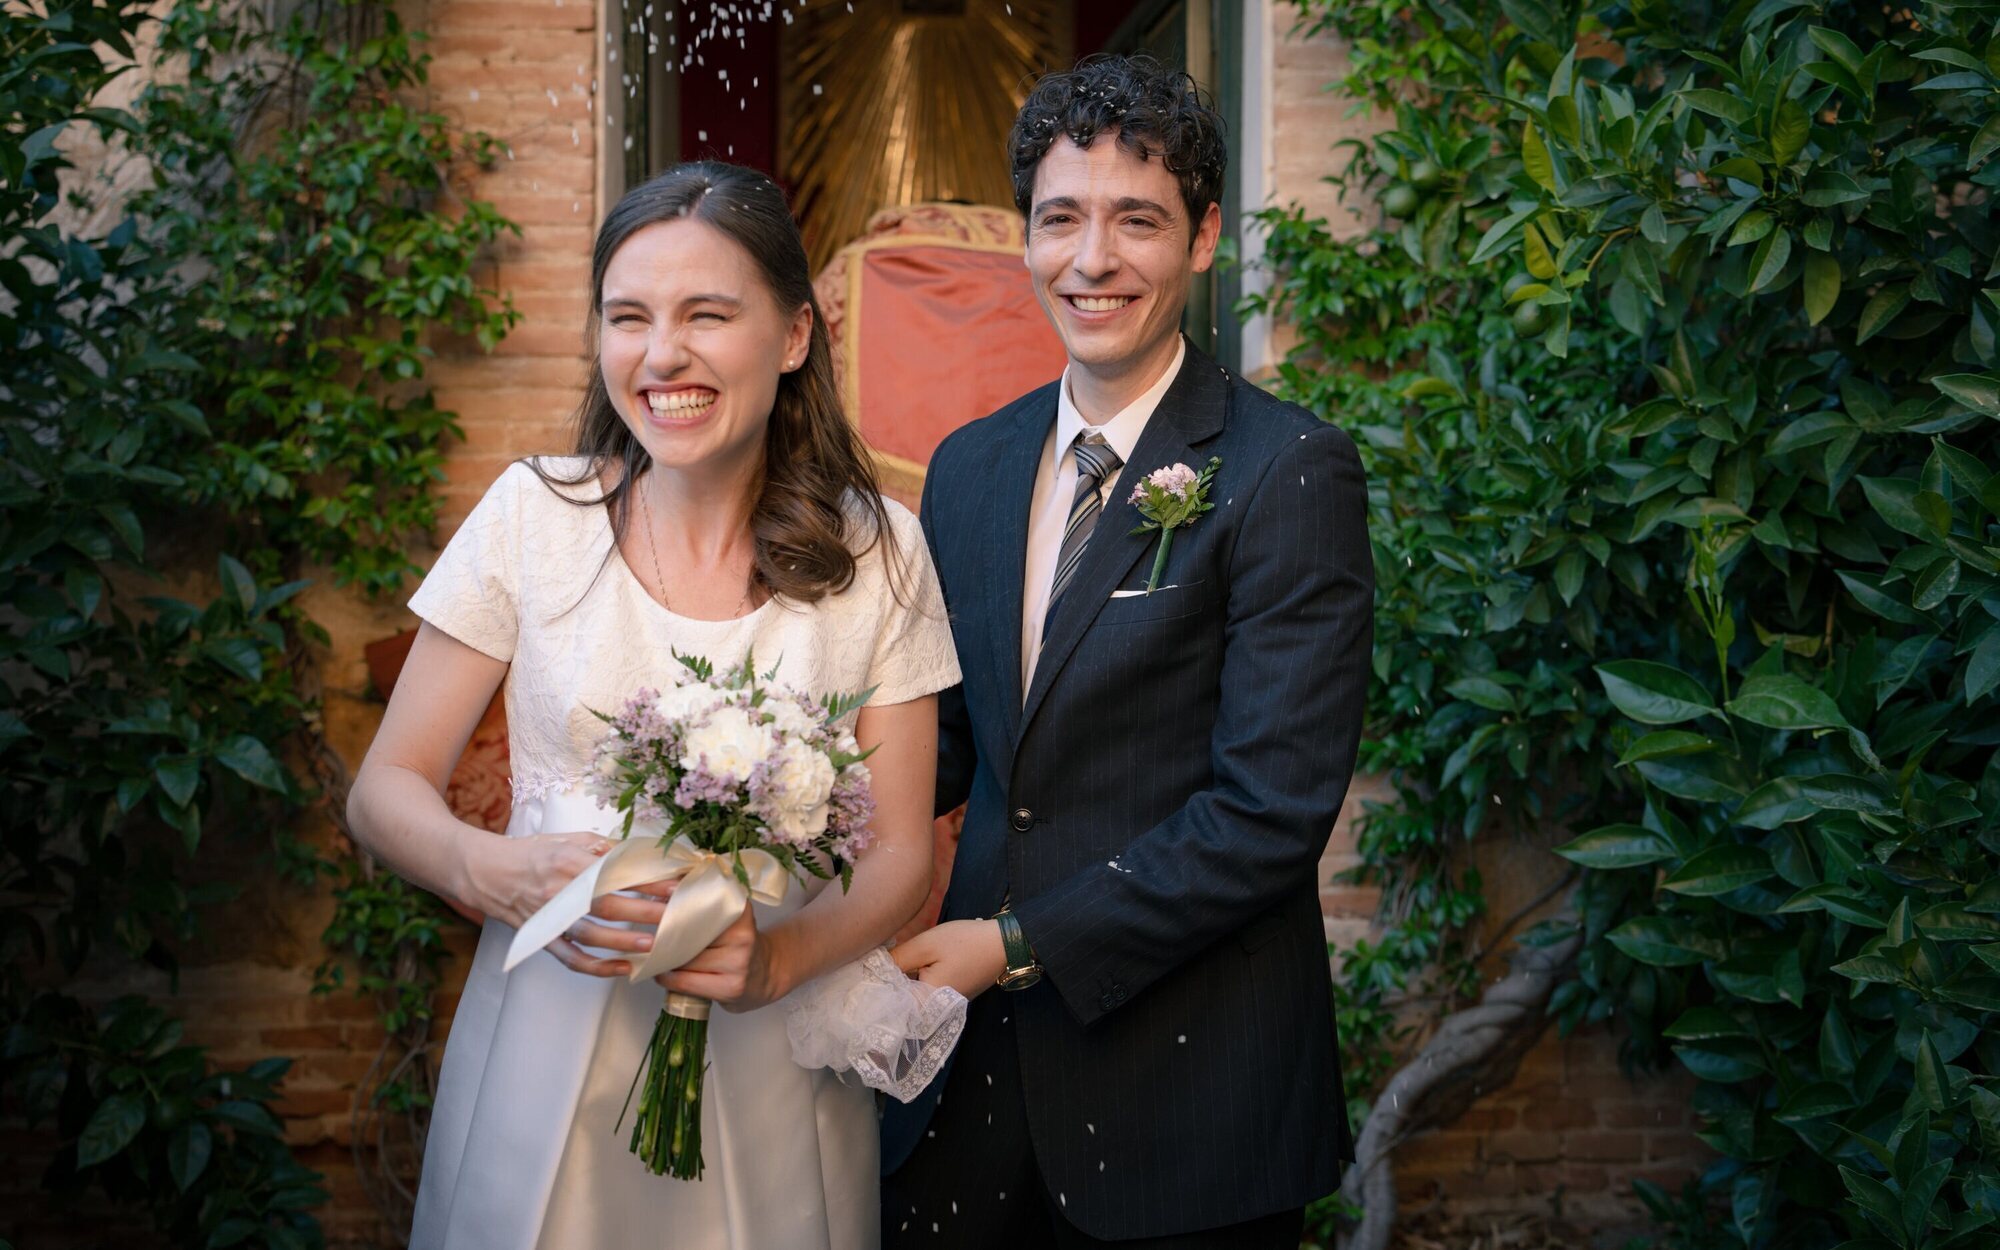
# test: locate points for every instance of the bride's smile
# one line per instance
(692, 344)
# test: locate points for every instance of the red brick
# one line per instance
(1576, 1179)
(453, 47)
(1655, 1113)
(1524, 1146)
(1486, 1119)
(1349, 900)
(452, 16)
(1614, 1146)
(1562, 1111)
(295, 1038)
(308, 1104)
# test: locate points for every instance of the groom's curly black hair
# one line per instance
(1155, 111)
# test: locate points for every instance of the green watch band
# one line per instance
(1022, 970)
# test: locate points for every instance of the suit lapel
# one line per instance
(1190, 413)
(1020, 457)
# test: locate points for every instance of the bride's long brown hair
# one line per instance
(818, 507)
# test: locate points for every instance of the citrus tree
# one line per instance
(1686, 507)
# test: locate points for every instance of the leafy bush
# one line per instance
(228, 379)
(1687, 527)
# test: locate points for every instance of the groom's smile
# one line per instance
(1111, 250)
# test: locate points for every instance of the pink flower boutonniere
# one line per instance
(1170, 498)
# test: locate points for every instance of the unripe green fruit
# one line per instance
(1400, 201)
(1425, 176)
(1530, 319)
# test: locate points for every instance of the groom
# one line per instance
(1152, 774)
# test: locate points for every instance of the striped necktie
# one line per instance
(1095, 461)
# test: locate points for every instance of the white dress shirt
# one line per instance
(1055, 491)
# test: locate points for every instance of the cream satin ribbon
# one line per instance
(708, 899)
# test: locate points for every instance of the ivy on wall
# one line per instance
(212, 400)
(1674, 365)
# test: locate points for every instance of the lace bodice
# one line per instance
(537, 581)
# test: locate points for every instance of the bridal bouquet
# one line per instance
(734, 787)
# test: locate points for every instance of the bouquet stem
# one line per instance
(666, 1135)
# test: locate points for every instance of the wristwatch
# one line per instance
(1022, 970)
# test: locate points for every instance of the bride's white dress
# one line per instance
(522, 1152)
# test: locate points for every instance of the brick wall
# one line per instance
(1571, 1132)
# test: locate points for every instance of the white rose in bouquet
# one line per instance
(796, 792)
(728, 745)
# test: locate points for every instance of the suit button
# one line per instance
(1107, 1001)
(1023, 818)
(1118, 993)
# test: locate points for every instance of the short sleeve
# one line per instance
(914, 653)
(473, 591)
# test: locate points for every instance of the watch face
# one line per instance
(1019, 980)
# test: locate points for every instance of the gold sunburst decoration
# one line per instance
(891, 102)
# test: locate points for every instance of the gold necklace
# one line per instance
(653, 550)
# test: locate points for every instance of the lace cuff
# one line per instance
(868, 1018)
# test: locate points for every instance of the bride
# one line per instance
(717, 502)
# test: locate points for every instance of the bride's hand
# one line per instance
(512, 878)
(735, 971)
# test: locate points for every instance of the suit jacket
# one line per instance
(1155, 804)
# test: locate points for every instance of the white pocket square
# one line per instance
(1130, 594)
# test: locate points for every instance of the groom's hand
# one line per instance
(967, 955)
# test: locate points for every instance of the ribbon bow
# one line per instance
(708, 899)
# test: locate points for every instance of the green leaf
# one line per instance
(1752, 226)
(1895, 501)
(1835, 901)
(1869, 593)
(1789, 131)
(1730, 108)
(251, 760)
(1875, 1198)
(1777, 802)
(1702, 778)
(1933, 1082)
(1935, 584)
(1871, 969)
(1535, 159)
(1954, 922)
(187, 1153)
(1665, 742)
(1827, 188)
(1654, 694)
(1698, 1024)
(1500, 233)
(1837, 46)
(1723, 1068)
(1570, 568)
(1483, 691)
(1619, 846)
(110, 1129)
(1982, 669)
(1719, 870)
(1984, 142)
(1657, 941)
(1535, 252)
(238, 581)
(1822, 286)
(1844, 792)
(178, 776)
(1881, 309)
(1769, 260)
(1977, 391)
(1810, 1102)
(1785, 702)
(248, 1116)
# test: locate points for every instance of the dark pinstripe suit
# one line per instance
(1155, 806)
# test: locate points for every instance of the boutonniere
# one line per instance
(1169, 499)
